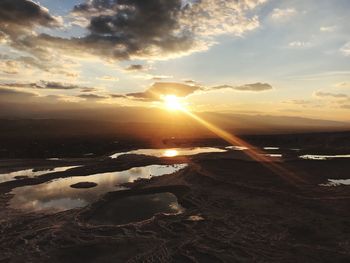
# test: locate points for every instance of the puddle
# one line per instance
(135, 208)
(237, 148)
(171, 152)
(323, 157)
(271, 148)
(274, 155)
(336, 182)
(58, 195)
(30, 173)
(195, 218)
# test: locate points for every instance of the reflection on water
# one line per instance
(323, 157)
(237, 148)
(274, 155)
(135, 208)
(57, 195)
(31, 173)
(337, 182)
(271, 148)
(195, 218)
(171, 152)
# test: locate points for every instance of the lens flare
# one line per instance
(257, 155)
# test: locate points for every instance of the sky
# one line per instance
(269, 57)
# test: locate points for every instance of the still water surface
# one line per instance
(57, 195)
(30, 173)
(171, 152)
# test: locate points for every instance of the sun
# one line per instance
(173, 103)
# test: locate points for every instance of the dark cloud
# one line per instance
(189, 81)
(160, 78)
(117, 96)
(43, 85)
(158, 89)
(18, 18)
(126, 29)
(58, 85)
(247, 87)
(24, 13)
(135, 67)
(87, 90)
(254, 87)
(92, 97)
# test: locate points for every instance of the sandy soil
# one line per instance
(236, 210)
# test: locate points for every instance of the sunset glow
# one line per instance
(173, 103)
(170, 153)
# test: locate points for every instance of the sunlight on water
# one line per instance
(322, 157)
(337, 182)
(237, 148)
(30, 173)
(57, 195)
(171, 152)
(271, 148)
(274, 155)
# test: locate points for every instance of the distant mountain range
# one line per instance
(149, 122)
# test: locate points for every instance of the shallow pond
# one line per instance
(322, 157)
(58, 195)
(171, 152)
(30, 173)
(337, 182)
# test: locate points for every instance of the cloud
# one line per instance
(299, 44)
(117, 96)
(92, 97)
(159, 89)
(7, 95)
(331, 95)
(328, 28)
(9, 67)
(160, 77)
(25, 14)
(21, 64)
(135, 67)
(247, 87)
(87, 90)
(43, 85)
(18, 18)
(343, 85)
(346, 106)
(283, 14)
(134, 29)
(190, 81)
(107, 78)
(345, 49)
(298, 102)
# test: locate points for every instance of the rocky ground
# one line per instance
(236, 210)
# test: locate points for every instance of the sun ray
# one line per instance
(251, 151)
